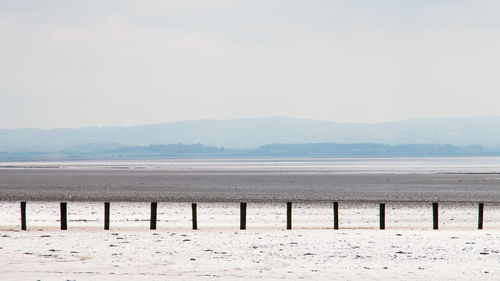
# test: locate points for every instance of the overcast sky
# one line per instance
(99, 63)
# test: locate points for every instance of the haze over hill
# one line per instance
(255, 132)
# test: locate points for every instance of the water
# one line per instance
(318, 165)
(467, 179)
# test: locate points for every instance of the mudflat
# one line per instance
(244, 185)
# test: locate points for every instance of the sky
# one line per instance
(105, 63)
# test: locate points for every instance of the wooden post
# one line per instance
(435, 215)
(106, 215)
(335, 215)
(152, 220)
(64, 216)
(288, 215)
(195, 218)
(23, 215)
(382, 215)
(480, 217)
(243, 215)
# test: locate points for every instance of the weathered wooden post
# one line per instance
(243, 215)
(64, 215)
(23, 215)
(435, 215)
(480, 217)
(335, 215)
(288, 215)
(382, 215)
(195, 219)
(152, 220)
(106, 215)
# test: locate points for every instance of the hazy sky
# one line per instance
(84, 63)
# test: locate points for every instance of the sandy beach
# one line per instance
(408, 249)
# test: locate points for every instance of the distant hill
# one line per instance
(256, 132)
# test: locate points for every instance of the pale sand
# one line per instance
(407, 249)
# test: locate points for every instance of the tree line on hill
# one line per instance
(104, 151)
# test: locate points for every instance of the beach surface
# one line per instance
(408, 249)
(256, 180)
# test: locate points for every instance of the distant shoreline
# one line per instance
(103, 151)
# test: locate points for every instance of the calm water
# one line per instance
(329, 165)
(397, 179)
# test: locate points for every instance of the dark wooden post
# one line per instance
(152, 220)
(335, 215)
(195, 218)
(435, 215)
(480, 217)
(106, 215)
(64, 216)
(288, 215)
(382, 215)
(23, 215)
(243, 215)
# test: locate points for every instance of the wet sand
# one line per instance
(249, 185)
